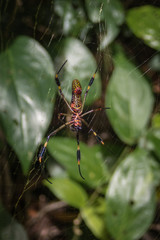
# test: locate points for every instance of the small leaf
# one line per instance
(112, 33)
(153, 141)
(145, 24)
(68, 191)
(71, 21)
(131, 197)
(112, 13)
(156, 121)
(105, 10)
(10, 229)
(27, 76)
(94, 10)
(81, 65)
(64, 150)
(130, 98)
(154, 63)
(94, 221)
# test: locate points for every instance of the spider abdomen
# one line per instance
(77, 123)
(76, 101)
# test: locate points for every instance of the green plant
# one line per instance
(118, 197)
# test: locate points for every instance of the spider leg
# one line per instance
(94, 110)
(95, 134)
(62, 114)
(59, 86)
(79, 155)
(89, 85)
(40, 166)
(43, 149)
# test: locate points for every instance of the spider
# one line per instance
(76, 109)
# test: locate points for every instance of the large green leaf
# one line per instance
(68, 191)
(145, 24)
(26, 79)
(10, 229)
(81, 65)
(92, 165)
(130, 98)
(130, 197)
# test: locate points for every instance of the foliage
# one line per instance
(128, 97)
(117, 199)
(25, 109)
(10, 228)
(147, 27)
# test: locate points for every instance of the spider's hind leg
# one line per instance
(99, 139)
(43, 148)
(40, 164)
(79, 155)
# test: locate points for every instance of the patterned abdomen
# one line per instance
(76, 101)
(77, 125)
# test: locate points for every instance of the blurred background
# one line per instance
(120, 196)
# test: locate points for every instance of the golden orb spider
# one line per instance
(76, 109)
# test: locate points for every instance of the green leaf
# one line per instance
(68, 191)
(72, 22)
(94, 221)
(81, 65)
(153, 141)
(105, 10)
(144, 23)
(131, 197)
(112, 13)
(26, 79)
(112, 33)
(115, 10)
(94, 10)
(156, 121)
(130, 98)
(154, 63)
(10, 229)
(64, 150)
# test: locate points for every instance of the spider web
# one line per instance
(40, 26)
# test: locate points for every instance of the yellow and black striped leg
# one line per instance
(99, 139)
(40, 158)
(79, 156)
(57, 79)
(43, 149)
(59, 86)
(89, 85)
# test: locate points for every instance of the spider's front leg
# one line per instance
(89, 85)
(59, 86)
